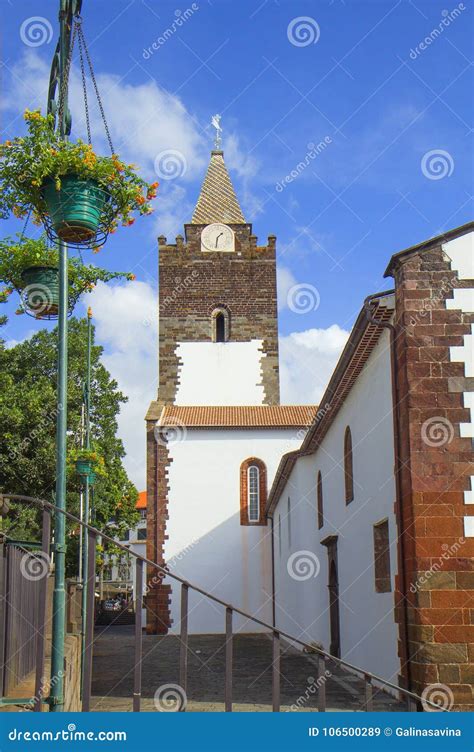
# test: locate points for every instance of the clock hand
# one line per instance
(217, 239)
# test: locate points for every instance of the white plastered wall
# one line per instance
(206, 543)
(220, 373)
(367, 625)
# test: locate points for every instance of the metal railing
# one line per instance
(413, 701)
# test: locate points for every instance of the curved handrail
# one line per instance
(339, 661)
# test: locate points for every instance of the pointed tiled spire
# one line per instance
(217, 201)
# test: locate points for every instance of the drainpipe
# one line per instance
(398, 464)
(273, 574)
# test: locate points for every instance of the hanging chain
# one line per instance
(65, 78)
(84, 85)
(25, 225)
(99, 101)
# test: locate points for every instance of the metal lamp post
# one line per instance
(58, 81)
(86, 486)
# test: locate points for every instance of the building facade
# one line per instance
(347, 525)
(217, 416)
(118, 574)
(379, 497)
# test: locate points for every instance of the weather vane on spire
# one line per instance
(216, 123)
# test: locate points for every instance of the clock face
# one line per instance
(217, 237)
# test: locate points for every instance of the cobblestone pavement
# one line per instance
(112, 685)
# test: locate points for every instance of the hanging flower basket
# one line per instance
(30, 266)
(87, 464)
(79, 196)
(76, 211)
(90, 479)
(40, 293)
(84, 467)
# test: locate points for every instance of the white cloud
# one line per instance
(9, 343)
(285, 281)
(126, 321)
(307, 360)
(173, 211)
(144, 120)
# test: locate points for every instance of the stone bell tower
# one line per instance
(218, 335)
(218, 340)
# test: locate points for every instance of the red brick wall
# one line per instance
(436, 466)
(157, 594)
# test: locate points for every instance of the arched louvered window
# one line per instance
(253, 492)
(320, 501)
(348, 466)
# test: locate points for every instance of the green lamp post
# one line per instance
(58, 84)
(87, 481)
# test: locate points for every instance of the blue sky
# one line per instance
(356, 77)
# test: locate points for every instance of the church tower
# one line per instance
(216, 431)
(218, 338)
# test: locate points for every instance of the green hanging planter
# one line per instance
(84, 468)
(40, 294)
(91, 478)
(76, 209)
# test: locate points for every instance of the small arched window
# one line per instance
(253, 492)
(348, 466)
(220, 328)
(320, 501)
(220, 324)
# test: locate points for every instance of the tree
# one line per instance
(28, 434)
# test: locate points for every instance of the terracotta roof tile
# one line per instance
(141, 503)
(239, 416)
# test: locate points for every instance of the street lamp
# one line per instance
(59, 83)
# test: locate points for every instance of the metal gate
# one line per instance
(23, 569)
